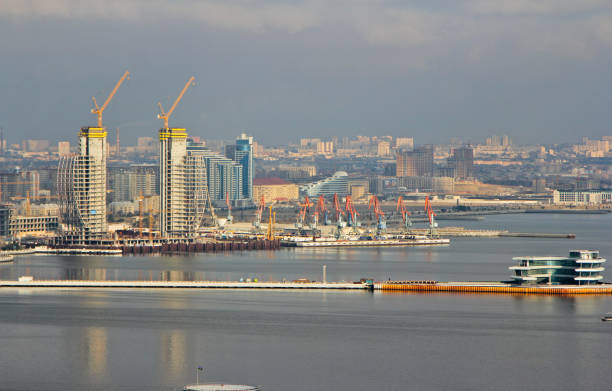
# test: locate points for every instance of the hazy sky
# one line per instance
(539, 71)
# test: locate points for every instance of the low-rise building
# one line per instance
(582, 197)
(274, 189)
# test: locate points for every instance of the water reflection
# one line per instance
(95, 345)
(84, 274)
(173, 353)
(177, 275)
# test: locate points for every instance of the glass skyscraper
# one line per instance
(242, 153)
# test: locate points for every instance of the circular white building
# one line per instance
(220, 387)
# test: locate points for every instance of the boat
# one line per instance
(607, 317)
(6, 258)
(220, 387)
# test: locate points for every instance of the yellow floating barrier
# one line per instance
(431, 286)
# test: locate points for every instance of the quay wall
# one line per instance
(604, 289)
(234, 245)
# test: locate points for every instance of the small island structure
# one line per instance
(578, 273)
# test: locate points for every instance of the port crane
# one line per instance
(381, 224)
(339, 213)
(166, 115)
(431, 217)
(97, 110)
(303, 214)
(320, 210)
(405, 214)
(352, 215)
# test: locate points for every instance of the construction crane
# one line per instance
(430, 215)
(14, 183)
(97, 110)
(261, 206)
(381, 224)
(165, 116)
(405, 213)
(271, 223)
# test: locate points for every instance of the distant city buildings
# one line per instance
(63, 148)
(418, 162)
(404, 143)
(582, 197)
(275, 189)
(462, 161)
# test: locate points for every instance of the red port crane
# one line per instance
(374, 205)
(430, 215)
(339, 211)
(320, 209)
(351, 212)
(404, 212)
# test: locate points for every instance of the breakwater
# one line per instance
(28, 282)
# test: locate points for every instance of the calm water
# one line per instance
(154, 339)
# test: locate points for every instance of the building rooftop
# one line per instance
(270, 181)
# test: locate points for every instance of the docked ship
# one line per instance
(581, 267)
(366, 241)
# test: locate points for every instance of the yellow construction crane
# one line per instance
(99, 110)
(163, 115)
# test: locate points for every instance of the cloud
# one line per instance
(536, 7)
(573, 28)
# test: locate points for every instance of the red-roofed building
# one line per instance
(274, 189)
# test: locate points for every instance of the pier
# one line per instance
(491, 287)
(29, 282)
(420, 286)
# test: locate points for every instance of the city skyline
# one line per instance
(429, 71)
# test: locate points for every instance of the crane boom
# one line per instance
(99, 110)
(166, 116)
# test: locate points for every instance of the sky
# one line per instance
(539, 71)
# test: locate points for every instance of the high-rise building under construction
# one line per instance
(183, 191)
(82, 188)
(81, 182)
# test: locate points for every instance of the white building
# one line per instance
(582, 197)
(337, 183)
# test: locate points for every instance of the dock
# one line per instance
(420, 286)
(28, 282)
(491, 287)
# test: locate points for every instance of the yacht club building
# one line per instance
(581, 267)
